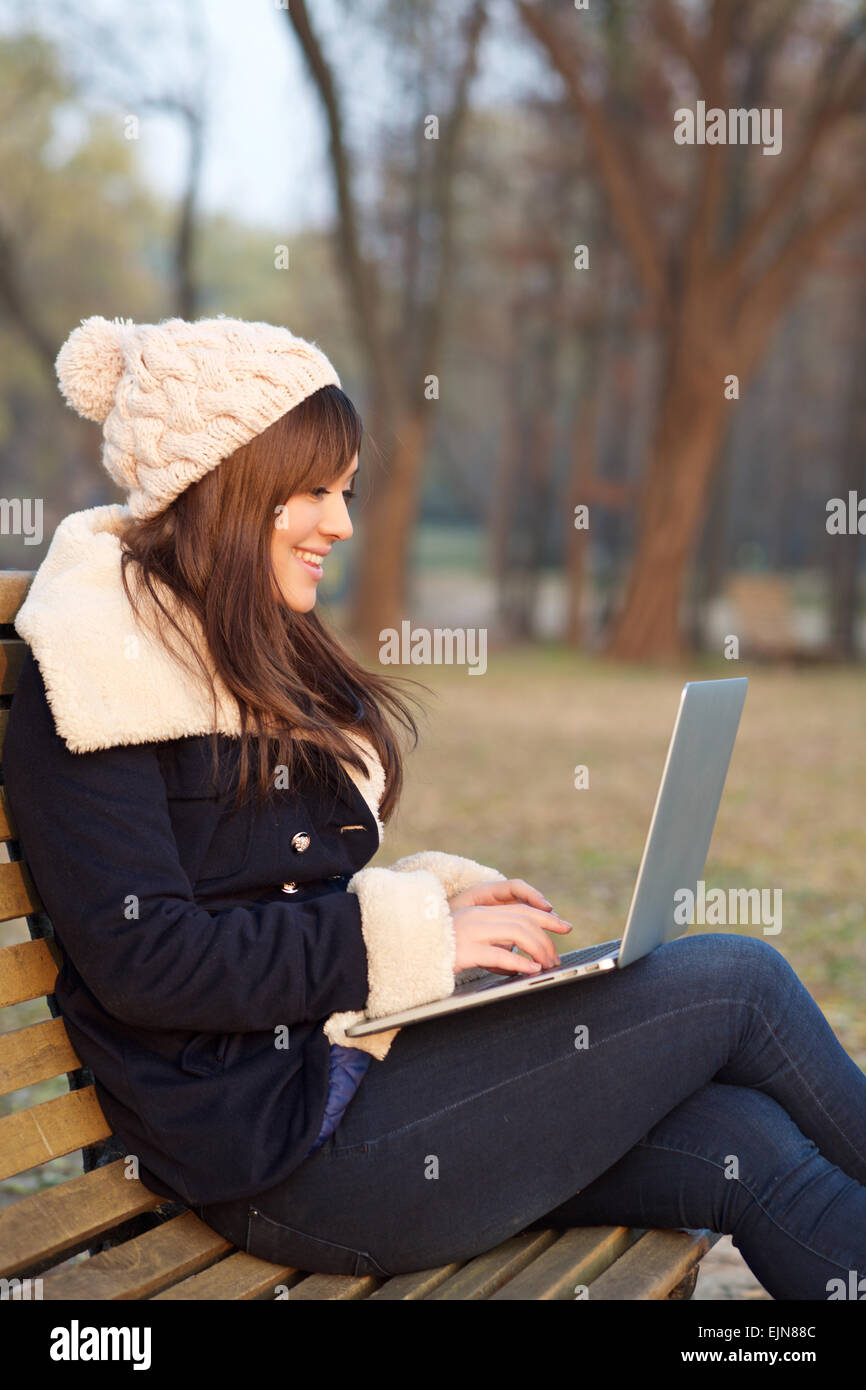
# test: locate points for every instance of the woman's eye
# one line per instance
(319, 490)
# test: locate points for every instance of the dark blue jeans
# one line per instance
(699, 1087)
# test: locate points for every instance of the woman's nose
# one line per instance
(338, 523)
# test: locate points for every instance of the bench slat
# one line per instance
(35, 1054)
(239, 1276)
(577, 1257)
(13, 590)
(653, 1266)
(28, 970)
(18, 894)
(410, 1288)
(46, 1131)
(67, 1218)
(141, 1266)
(482, 1276)
(334, 1288)
(7, 825)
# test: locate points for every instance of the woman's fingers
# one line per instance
(484, 934)
(518, 888)
(531, 936)
(504, 962)
(523, 890)
(548, 921)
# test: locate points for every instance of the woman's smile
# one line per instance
(305, 559)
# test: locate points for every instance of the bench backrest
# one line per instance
(764, 610)
(34, 1130)
(35, 1134)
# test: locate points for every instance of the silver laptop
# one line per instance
(673, 857)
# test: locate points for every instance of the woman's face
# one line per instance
(312, 521)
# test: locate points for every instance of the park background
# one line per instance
(275, 162)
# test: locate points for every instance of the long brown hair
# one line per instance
(295, 685)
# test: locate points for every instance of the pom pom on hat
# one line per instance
(90, 364)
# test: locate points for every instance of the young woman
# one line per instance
(200, 773)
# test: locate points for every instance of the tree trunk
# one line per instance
(844, 551)
(584, 435)
(505, 493)
(684, 450)
(381, 600)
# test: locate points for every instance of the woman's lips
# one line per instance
(315, 571)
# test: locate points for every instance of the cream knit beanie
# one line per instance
(176, 398)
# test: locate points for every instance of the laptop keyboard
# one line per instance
(583, 956)
(589, 953)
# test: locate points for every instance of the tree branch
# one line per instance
(763, 301)
(443, 176)
(713, 54)
(362, 277)
(641, 240)
(835, 99)
(779, 199)
(672, 26)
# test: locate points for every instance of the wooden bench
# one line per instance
(764, 619)
(102, 1235)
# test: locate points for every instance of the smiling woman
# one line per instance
(216, 953)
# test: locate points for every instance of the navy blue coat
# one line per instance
(202, 994)
(177, 1017)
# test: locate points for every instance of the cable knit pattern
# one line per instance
(176, 398)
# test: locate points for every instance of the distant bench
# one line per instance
(764, 612)
(140, 1246)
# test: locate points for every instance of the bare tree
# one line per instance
(719, 275)
(402, 345)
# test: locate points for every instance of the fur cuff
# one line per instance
(406, 925)
(453, 871)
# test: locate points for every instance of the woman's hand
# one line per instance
(490, 918)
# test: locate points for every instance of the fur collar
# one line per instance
(107, 680)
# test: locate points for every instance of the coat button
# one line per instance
(300, 842)
(290, 887)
